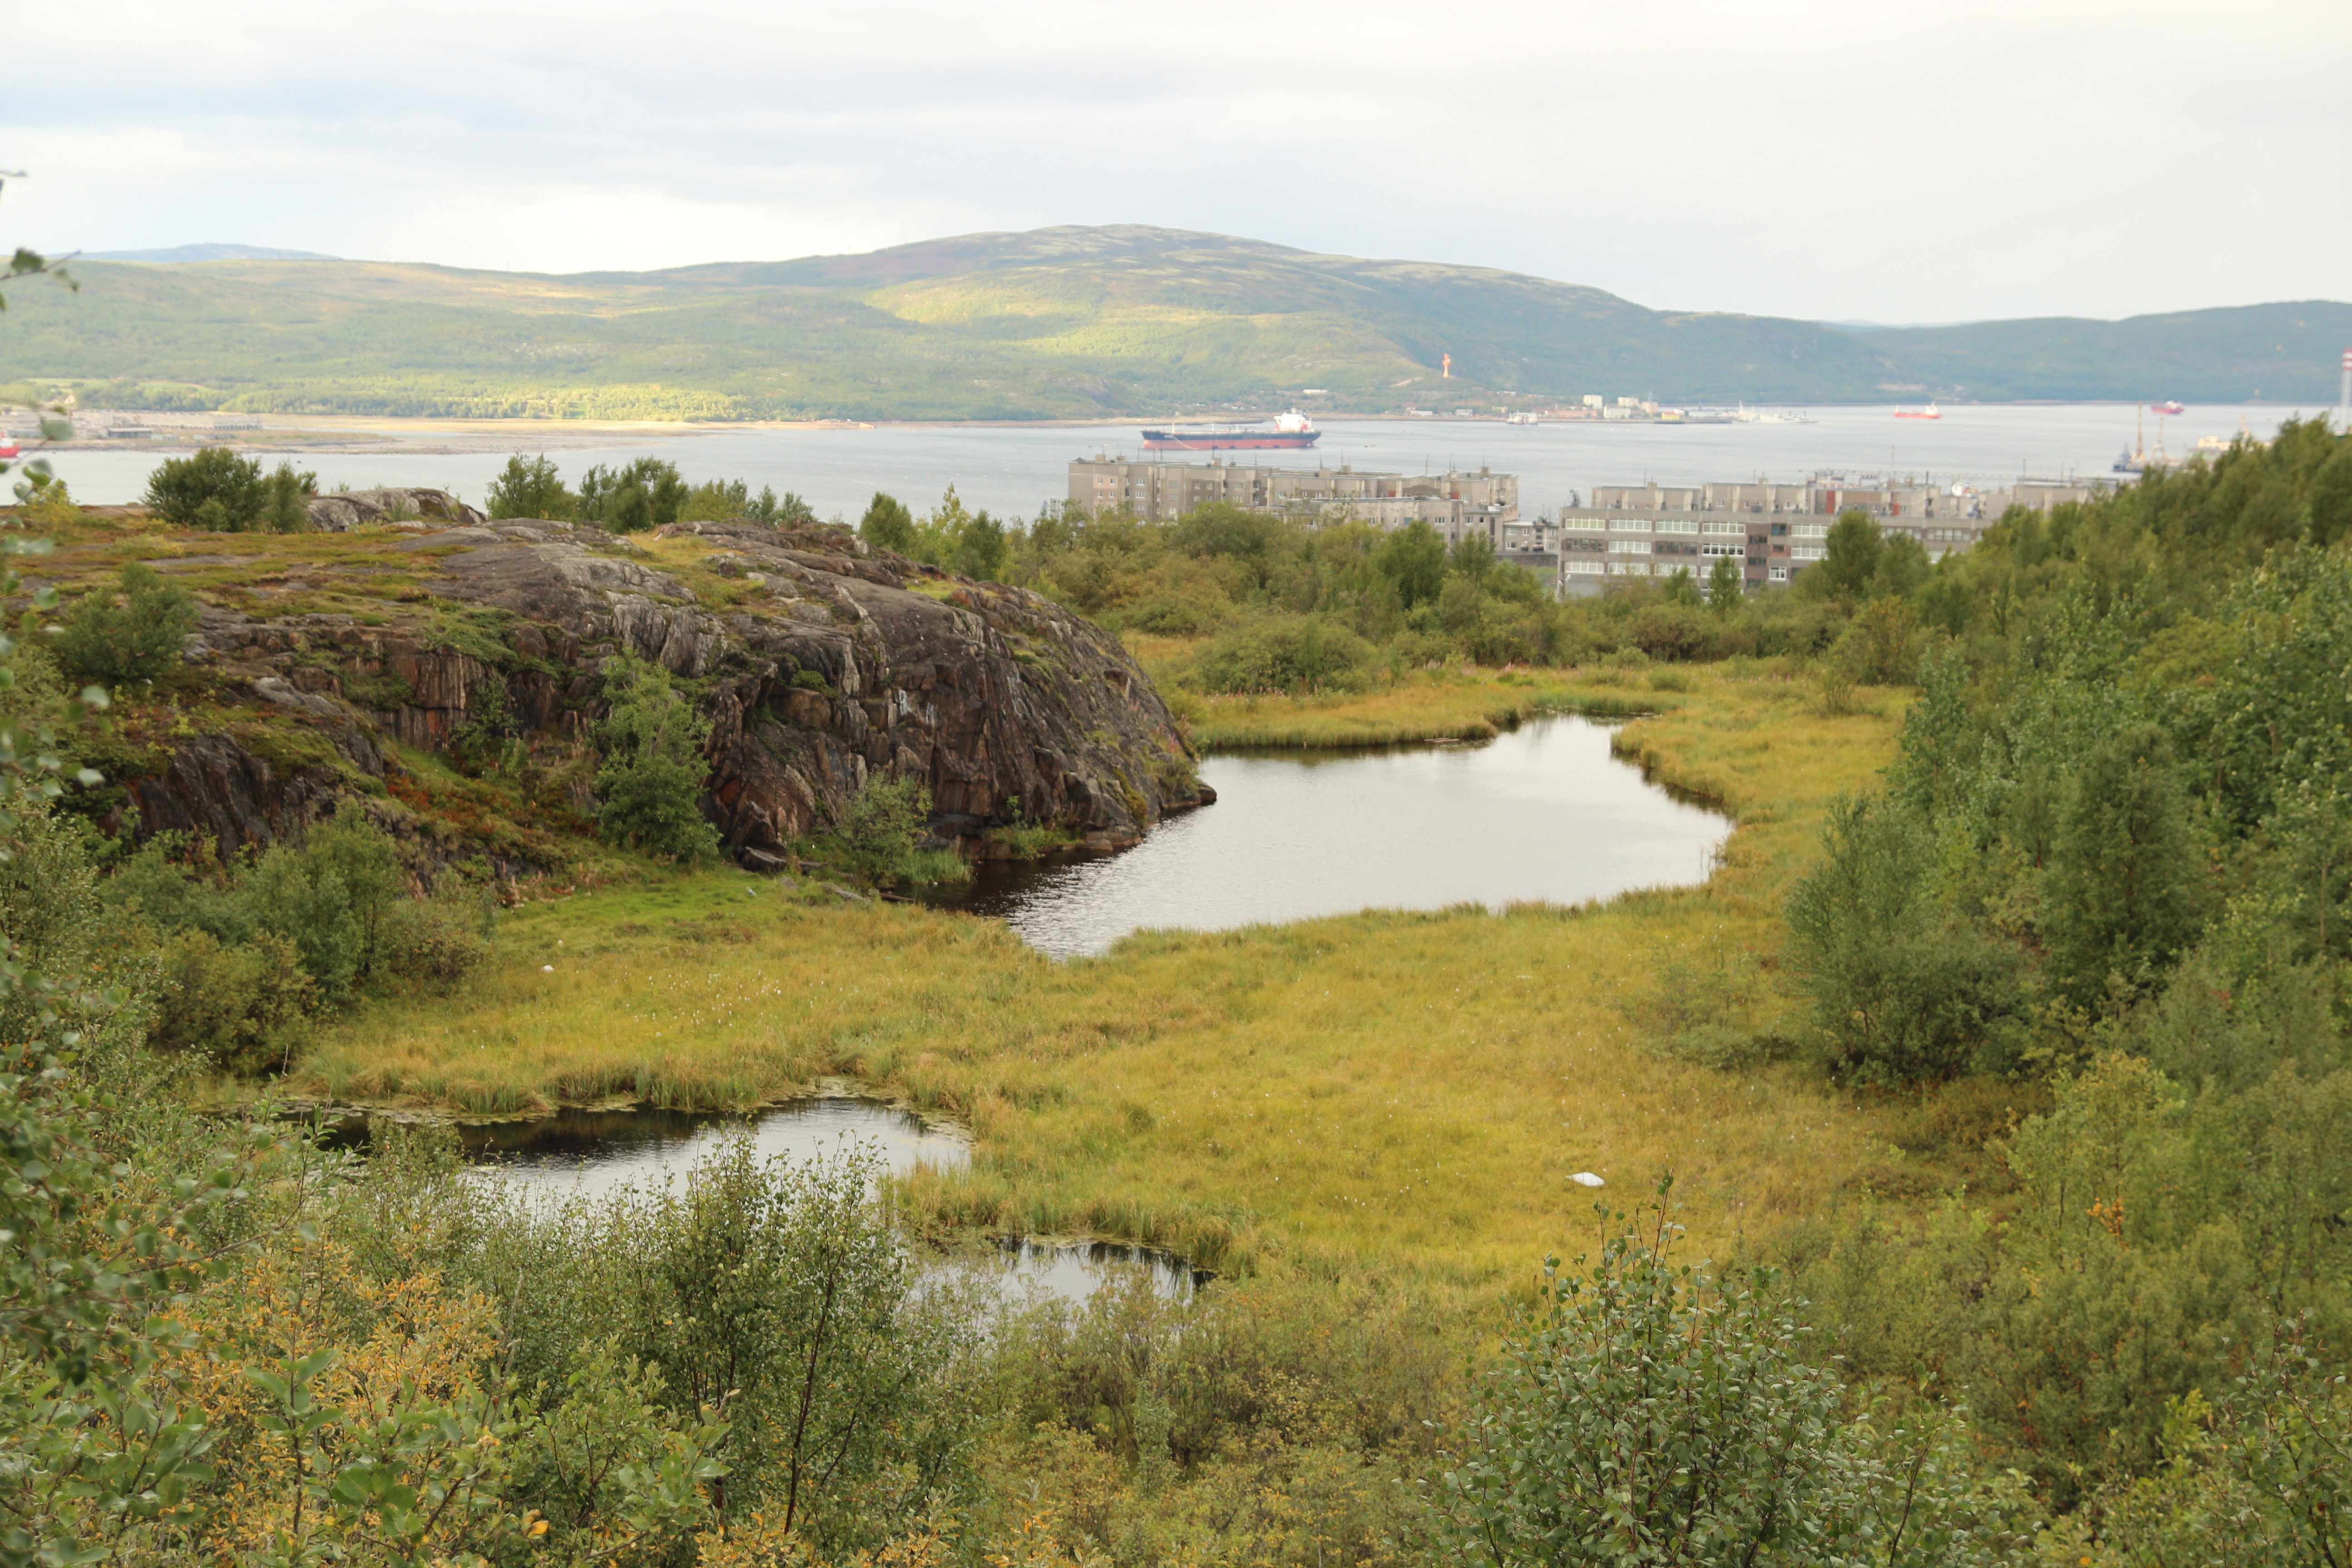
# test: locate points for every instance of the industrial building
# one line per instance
(1773, 531)
(1454, 503)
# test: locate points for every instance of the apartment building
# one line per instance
(1454, 503)
(1773, 531)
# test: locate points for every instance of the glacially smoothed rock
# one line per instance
(828, 665)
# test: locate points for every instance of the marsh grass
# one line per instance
(1386, 1088)
(1428, 707)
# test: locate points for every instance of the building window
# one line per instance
(1811, 531)
(1779, 574)
(1664, 527)
(1737, 530)
(1629, 547)
(1582, 568)
(1806, 553)
(1630, 524)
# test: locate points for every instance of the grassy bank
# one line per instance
(1379, 1085)
(1459, 704)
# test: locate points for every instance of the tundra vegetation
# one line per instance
(1977, 1183)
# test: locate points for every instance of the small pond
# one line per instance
(593, 1152)
(1543, 813)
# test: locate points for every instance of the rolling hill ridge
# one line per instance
(1053, 323)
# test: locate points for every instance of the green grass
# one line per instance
(1389, 1089)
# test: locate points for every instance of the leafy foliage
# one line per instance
(641, 494)
(879, 828)
(131, 634)
(1649, 1413)
(531, 487)
(650, 785)
(887, 525)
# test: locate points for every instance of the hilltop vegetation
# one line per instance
(1055, 323)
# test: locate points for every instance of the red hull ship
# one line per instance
(1292, 432)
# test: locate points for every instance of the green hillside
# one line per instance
(1063, 322)
(2280, 354)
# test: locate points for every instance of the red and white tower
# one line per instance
(1447, 373)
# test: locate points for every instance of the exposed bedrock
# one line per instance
(819, 664)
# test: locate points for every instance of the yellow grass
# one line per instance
(1400, 1090)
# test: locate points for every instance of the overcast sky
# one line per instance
(1890, 161)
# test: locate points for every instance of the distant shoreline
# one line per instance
(354, 432)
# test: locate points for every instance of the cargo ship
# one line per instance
(1930, 411)
(2168, 406)
(1289, 432)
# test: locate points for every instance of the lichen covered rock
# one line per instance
(820, 664)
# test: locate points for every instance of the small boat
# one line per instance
(2168, 406)
(10, 449)
(1930, 411)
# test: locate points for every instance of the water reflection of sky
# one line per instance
(592, 1152)
(1544, 813)
(595, 1153)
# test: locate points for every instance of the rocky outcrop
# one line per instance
(821, 666)
(394, 507)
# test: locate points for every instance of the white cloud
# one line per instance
(1886, 160)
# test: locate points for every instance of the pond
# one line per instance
(591, 1154)
(1542, 812)
(594, 1151)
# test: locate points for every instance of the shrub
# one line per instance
(531, 487)
(1901, 990)
(244, 1009)
(887, 524)
(645, 494)
(1285, 653)
(651, 780)
(2122, 886)
(212, 489)
(135, 632)
(47, 501)
(877, 830)
(336, 905)
(1648, 1414)
(286, 500)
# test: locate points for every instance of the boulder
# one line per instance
(396, 507)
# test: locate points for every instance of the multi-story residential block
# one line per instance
(1773, 531)
(1454, 503)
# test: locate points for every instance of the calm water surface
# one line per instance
(594, 1151)
(1544, 813)
(1011, 469)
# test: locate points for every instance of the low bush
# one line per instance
(531, 487)
(131, 633)
(875, 836)
(650, 786)
(253, 954)
(217, 490)
(1285, 653)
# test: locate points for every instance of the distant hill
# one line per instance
(209, 253)
(1057, 322)
(2281, 353)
